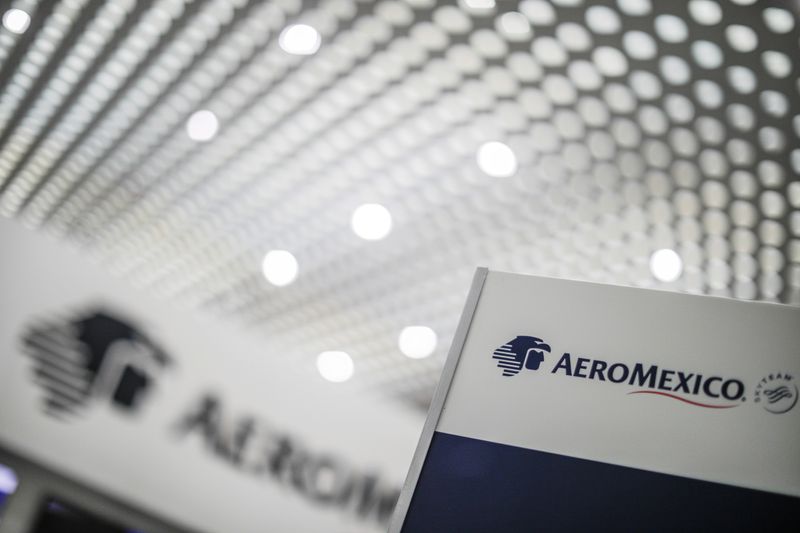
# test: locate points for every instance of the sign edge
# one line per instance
(437, 404)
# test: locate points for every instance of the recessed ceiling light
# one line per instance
(666, 265)
(371, 222)
(279, 267)
(16, 20)
(335, 366)
(497, 159)
(479, 4)
(300, 39)
(515, 23)
(417, 342)
(202, 125)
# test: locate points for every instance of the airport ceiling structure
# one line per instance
(653, 144)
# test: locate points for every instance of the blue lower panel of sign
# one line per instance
(470, 485)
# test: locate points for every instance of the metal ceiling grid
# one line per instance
(636, 125)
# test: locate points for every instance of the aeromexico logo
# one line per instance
(777, 392)
(94, 355)
(522, 351)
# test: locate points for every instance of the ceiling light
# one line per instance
(335, 366)
(300, 39)
(279, 267)
(371, 222)
(497, 159)
(16, 20)
(479, 4)
(417, 342)
(202, 125)
(666, 265)
(515, 23)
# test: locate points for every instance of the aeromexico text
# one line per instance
(651, 377)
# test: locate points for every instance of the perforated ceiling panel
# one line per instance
(635, 126)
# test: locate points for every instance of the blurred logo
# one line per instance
(95, 355)
(522, 351)
(777, 393)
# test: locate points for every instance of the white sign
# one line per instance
(576, 406)
(182, 415)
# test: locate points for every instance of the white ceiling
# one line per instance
(637, 125)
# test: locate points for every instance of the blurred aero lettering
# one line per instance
(254, 446)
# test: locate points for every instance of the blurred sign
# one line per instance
(167, 410)
(95, 354)
(575, 406)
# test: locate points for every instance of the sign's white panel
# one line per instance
(579, 406)
(648, 379)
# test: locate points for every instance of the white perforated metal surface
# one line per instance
(637, 125)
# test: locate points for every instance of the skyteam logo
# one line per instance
(522, 351)
(777, 392)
